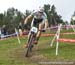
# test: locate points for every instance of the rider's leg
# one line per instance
(39, 33)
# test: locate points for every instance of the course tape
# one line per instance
(66, 40)
(60, 34)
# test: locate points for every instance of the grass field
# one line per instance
(13, 53)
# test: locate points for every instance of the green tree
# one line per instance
(12, 17)
(73, 18)
(56, 19)
(47, 11)
(28, 12)
(1, 19)
(52, 15)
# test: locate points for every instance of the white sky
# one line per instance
(64, 7)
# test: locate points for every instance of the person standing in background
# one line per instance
(0, 32)
(4, 31)
(20, 28)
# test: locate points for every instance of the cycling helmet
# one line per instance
(41, 9)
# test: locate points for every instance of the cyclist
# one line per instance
(39, 20)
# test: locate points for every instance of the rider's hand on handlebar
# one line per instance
(43, 30)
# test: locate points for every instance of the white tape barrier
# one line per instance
(6, 36)
(63, 26)
(11, 35)
(17, 36)
(57, 35)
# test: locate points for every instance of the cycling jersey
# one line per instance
(38, 17)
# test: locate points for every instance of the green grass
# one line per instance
(13, 53)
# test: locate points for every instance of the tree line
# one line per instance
(12, 17)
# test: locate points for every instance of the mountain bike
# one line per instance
(33, 33)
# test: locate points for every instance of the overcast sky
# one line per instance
(63, 7)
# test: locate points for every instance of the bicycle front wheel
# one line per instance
(30, 43)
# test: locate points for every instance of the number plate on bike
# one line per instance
(34, 29)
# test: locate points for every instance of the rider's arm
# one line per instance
(29, 17)
(46, 24)
(46, 21)
(26, 20)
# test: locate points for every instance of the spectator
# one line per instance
(4, 32)
(0, 33)
(20, 28)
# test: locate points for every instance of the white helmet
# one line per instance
(41, 9)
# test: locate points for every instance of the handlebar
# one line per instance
(43, 30)
(27, 27)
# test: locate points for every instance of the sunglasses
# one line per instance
(40, 12)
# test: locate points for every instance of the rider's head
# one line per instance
(41, 9)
